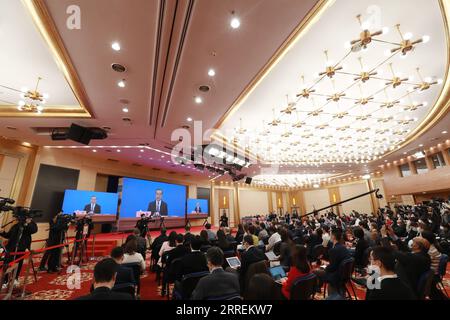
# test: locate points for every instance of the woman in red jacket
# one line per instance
(300, 267)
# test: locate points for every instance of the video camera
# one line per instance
(5, 204)
(23, 213)
(66, 218)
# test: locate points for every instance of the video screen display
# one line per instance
(195, 206)
(90, 202)
(157, 198)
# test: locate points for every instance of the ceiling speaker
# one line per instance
(80, 134)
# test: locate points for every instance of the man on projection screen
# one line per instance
(158, 206)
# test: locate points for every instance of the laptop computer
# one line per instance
(278, 274)
(271, 256)
(234, 262)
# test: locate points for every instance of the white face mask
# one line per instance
(410, 243)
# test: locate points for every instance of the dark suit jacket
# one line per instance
(198, 209)
(97, 208)
(163, 211)
(124, 275)
(411, 266)
(337, 254)
(249, 257)
(192, 262)
(104, 293)
(391, 289)
(217, 284)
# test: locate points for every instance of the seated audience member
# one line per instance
(141, 243)
(219, 283)
(240, 233)
(167, 246)
(194, 261)
(204, 238)
(435, 256)
(252, 232)
(222, 241)
(263, 234)
(211, 235)
(251, 255)
(104, 279)
(179, 251)
(411, 265)
(262, 287)
(124, 274)
(326, 236)
(360, 248)
(229, 236)
(285, 249)
(387, 285)
(337, 254)
(300, 267)
(188, 236)
(274, 238)
(157, 243)
(333, 293)
(132, 256)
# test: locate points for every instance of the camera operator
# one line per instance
(84, 227)
(19, 239)
(142, 225)
(59, 224)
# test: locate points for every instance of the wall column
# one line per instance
(237, 213)
(212, 205)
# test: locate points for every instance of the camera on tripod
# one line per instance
(66, 219)
(24, 213)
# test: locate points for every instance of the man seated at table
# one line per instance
(219, 283)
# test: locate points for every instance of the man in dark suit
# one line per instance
(337, 254)
(251, 255)
(194, 261)
(188, 236)
(198, 209)
(124, 274)
(411, 264)
(158, 206)
(93, 207)
(104, 278)
(387, 285)
(219, 283)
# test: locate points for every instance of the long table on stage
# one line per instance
(168, 222)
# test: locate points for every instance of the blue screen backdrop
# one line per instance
(137, 194)
(191, 203)
(77, 199)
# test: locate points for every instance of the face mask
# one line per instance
(410, 243)
(442, 228)
(414, 229)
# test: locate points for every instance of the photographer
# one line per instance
(58, 227)
(84, 227)
(142, 225)
(19, 238)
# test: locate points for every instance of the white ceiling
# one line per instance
(25, 57)
(306, 57)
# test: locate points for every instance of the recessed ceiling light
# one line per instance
(198, 100)
(115, 46)
(121, 83)
(125, 109)
(118, 150)
(142, 150)
(421, 145)
(189, 119)
(94, 150)
(211, 72)
(235, 23)
(444, 132)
